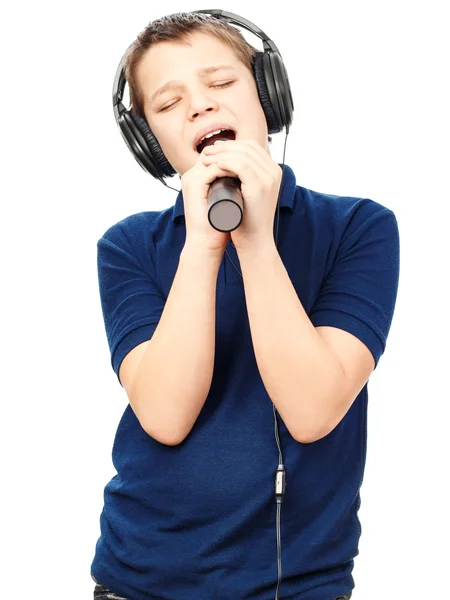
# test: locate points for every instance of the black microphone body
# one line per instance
(225, 203)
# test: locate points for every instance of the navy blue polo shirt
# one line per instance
(197, 521)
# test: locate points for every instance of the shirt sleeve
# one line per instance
(359, 293)
(131, 301)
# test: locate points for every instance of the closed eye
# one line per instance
(222, 85)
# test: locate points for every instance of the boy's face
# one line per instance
(194, 102)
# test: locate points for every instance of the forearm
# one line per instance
(175, 373)
(298, 369)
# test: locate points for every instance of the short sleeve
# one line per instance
(359, 293)
(131, 302)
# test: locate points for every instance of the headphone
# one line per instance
(272, 83)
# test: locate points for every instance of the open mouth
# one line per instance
(227, 134)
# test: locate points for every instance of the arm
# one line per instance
(298, 369)
(174, 375)
(312, 374)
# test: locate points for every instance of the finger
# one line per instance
(248, 147)
(248, 170)
(217, 171)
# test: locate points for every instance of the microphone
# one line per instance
(225, 202)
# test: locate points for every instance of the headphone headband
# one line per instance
(230, 17)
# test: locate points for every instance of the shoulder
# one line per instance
(336, 206)
(339, 213)
(131, 239)
(131, 226)
(138, 232)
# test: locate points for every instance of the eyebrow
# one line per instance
(176, 83)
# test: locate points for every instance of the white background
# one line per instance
(369, 82)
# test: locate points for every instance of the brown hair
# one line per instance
(180, 26)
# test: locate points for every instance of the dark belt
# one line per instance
(101, 591)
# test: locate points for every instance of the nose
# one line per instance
(202, 102)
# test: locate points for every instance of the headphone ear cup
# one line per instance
(154, 149)
(259, 73)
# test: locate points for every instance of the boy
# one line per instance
(203, 348)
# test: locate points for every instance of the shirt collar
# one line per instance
(287, 199)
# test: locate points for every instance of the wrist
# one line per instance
(197, 254)
(257, 250)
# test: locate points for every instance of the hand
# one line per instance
(195, 184)
(260, 184)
